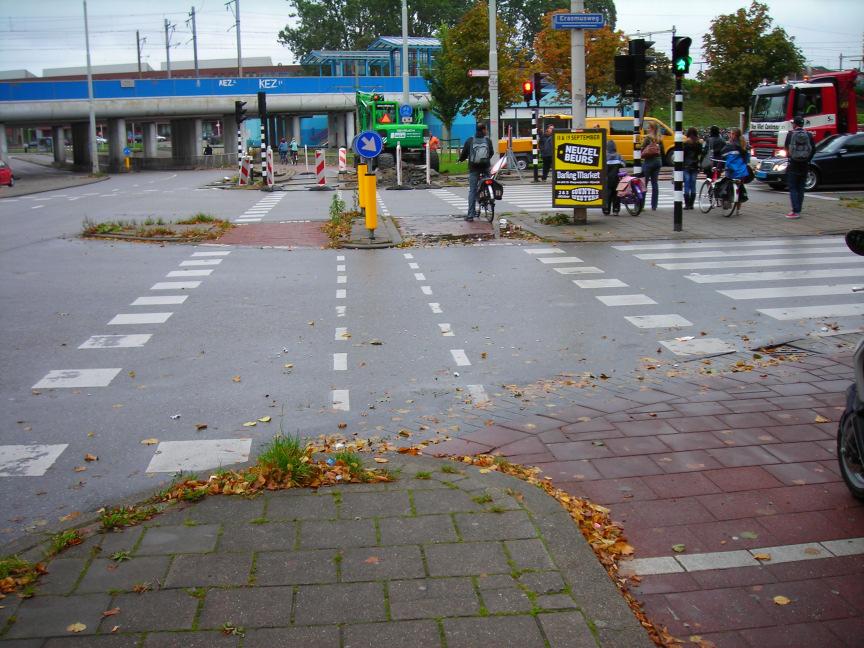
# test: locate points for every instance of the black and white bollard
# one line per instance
(678, 177)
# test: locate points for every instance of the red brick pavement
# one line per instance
(717, 464)
(287, 234)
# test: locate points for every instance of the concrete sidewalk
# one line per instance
(445, 555)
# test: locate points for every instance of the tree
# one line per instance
(445, 101)
(467, 47)
(526, 16)
(658, 90)
(354, 24)
(741, 49)
(552, 49)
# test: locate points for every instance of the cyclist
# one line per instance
(283, 151)
(736, 156)
(478, 151)
(294, 148)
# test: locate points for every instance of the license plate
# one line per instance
(761, 174)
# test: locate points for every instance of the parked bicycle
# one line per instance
(631, 192)
(720, 191)
(488, 191)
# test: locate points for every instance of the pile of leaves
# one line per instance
(17, 573)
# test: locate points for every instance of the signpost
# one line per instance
(368, 144)
(579, 168)
(578, 21)
(406, 112)
(478, 73)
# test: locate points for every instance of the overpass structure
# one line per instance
(186, 103)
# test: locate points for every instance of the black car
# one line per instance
(839, 160)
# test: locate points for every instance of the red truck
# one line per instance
(827, 101)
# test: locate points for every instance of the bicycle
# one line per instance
(488, 191)
(713, 192)
(631, 192)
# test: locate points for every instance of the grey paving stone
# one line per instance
(417, 530)
(209, 570)
(501, 632)
(380, 563)
(45, 616)
(417, 634)
(529, 554)
(288, 505)
(123, 540)
(227, 509)
(190, 640)
(443, 501)
(248, 607)
(106, 641)
(506, 600)
(315, 637)
(106, 575)
(296, 567)
(555, 602)
(273, 536)
(495, 526)
(543, 582)
(23, 643)
(9, 608)
(466, 558)
(172, 516)
(84, 550)
(342, 603)
(160, 610)
(339, 533)
(567, 630)
(62, 575)
(178, 539)
(367, 505)
(428, 598)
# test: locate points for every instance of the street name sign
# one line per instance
(579, 168)
(478, 73)
(368, 144)
(578, 21)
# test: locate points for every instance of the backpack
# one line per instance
(800, 146)
(481, 152)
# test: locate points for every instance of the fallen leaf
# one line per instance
(115, 628)
(782, 600)
(381, 460)
(812, 551)
(70, 516)
(200, 426)
(265, 419)
(821, 419)
(80, 468)
(342, 426)
(485, 470)
(149, 441)
(404, 433)
(372, 560)
(236, 379)
(288, 365)
(762, 556)
(111, 612)
(679, 548)
(483, 355)
(90, 457)
(250, 424)
(749, 535)
(131, 374)
(76, 627)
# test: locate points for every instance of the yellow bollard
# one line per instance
(128, 164)
(361, 181)
(371, 204)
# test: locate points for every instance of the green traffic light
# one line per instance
(681, 65)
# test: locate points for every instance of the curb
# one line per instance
(392, 237)
(70, 186)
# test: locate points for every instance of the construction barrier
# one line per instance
(270, 177)
(319, 167)
(343, 160)
(245, 166)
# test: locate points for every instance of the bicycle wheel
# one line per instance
(729, 206)
(706, 196)
(490, 211)
(634, 204)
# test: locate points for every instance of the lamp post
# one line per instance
(94, 154)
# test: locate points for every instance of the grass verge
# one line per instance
(195, 228)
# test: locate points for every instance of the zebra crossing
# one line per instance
(776, 293)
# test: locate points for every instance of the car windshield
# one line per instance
(830, 144)
(2, 164)
(768, 108)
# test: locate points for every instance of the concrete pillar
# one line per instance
(4, 146)
(295, 128)
(148, 139)
(349, 128)
(58, 136)
(116, 143)
(340, 129)
(198, 127)
(184, 144)
(81, 145)
(229, 134)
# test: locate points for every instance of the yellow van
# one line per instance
(619, 129)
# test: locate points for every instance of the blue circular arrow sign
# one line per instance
(127, 152)
(368, 144)
(406, 111)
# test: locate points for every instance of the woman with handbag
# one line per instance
(651, 163)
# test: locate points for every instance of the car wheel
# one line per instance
(521, 163)
(812, 179)
(11, 181)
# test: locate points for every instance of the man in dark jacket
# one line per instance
(800, 147)
(547, 150)
(478, 151)
(714, 144)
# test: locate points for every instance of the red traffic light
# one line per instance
(527, 91)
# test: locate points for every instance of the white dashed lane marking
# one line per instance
(211, 254)
(546, 250)
(200, 262)
(340, 400)
(446, 331)
(116, 341)
(341, 293)
(579, 270)
(600, 283)
(427, 290)
(658, 321)
(200, 454)
(175, 285)
(340, 362)
(419, 276)
(460, 358)
(139, 318)
(559, 259)
(625, 300)
(341, 334)
(28, 460)
(478, 394)
(340, 311)
(189, 273)
(341, 279)
(698, 346)
(414, 266)
(160, 301)
(72, 378)
(435, 307)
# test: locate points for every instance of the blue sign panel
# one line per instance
(368, 144)
(126, 151)
(578, 21)
(406, 111)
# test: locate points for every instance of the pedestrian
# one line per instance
(736, 158)
(208, 150)
(294, 146)
(692, 153)
(711, 150)
(799, 146)
(434, 143)
(283, 151)
(651, 163)
(478, 151)
(614, 163)
(547, 149)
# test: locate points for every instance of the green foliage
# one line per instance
(117, 518)
(194, 220)
(526, 15)
(13, 565)
(352, 461)
(423, 474)
(121, 556)
(62, 540)
(445, 100)
(287, 454)
(658, 90)
(337, 207)
(741, 49)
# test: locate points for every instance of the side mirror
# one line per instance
(855, 241)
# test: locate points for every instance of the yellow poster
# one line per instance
(579, 168)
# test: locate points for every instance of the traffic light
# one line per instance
(681, 58)
(542, 86)
(641, 62)
(623, 70)
(528, 91)
(239, 112)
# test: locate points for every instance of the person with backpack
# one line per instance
(478, 151)
(692, 152)
(800, 147)
(714, 144)
(547, 149)
(294, 148)
(283, 151)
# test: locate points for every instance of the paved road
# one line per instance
(106, 345)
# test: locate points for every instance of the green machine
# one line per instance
(396, 125)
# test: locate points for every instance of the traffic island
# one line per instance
(200, 227)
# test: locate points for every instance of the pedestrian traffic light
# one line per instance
(239, 112)
(623, 70)
(641, 61)
(681, 58)
(542, 86)
(528, 91)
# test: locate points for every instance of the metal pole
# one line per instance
(678, 174)
(167, 48)
(493, 78)
(237, 27)
(138, 48)
(194, 42)
(404, 52)
(534, 143)
(577, 78)
(841, 62)
(637, 152)
(94, 154)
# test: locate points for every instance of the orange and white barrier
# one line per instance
(270, 177)
(245, 166)
(319, 167)
(343, 160)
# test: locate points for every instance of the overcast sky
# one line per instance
(41, 34)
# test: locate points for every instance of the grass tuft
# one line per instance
(287, 455)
